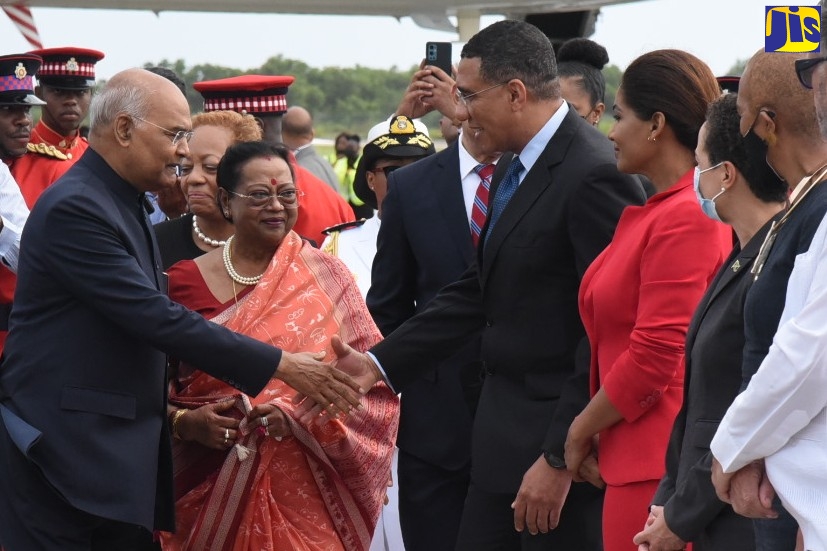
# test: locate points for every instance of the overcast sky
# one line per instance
(718, 31)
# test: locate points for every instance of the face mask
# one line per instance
(707, 205)
(756, 150)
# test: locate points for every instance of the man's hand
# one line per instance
(430, 89)
(333, 390)
(748, 490)
(656, 535)
(540, 498)
(355, 366)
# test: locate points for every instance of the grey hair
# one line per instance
(122, 98)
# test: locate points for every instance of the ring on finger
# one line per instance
(226, 435)
(264, 421)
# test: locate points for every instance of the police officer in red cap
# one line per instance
(266, 98)
(65, 82)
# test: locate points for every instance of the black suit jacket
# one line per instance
(521, 297)
(424, 244)
(714, 345)
(83, 374)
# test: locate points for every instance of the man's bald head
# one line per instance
(770, 82)
(297, 127)
(132, 92)
(137, 124)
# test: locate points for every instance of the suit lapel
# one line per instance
(447, 187)
(535, 183)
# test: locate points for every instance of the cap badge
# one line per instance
(72, 64)
(401, 125)
(20, 71)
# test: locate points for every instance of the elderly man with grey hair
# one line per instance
(85, 458)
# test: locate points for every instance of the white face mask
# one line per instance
(707, 205)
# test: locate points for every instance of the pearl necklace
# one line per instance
(228, 265)
(208, 240)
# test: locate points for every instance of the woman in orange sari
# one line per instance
(248, 475)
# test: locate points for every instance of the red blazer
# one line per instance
(636, 301)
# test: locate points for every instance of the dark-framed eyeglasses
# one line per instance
(804, 68)
(176, 135)
(386, 170)
(288, 198)
(464, 98)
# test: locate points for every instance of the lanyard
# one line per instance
(796, 197)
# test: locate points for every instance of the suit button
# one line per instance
(488, 323)
(643, 404)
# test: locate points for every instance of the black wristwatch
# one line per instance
(553, 461)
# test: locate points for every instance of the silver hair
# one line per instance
(122, 98)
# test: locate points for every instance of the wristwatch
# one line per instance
(553, 461)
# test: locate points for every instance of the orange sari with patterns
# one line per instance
(320, 489)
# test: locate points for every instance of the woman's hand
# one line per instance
(271, 420)
(207, 426)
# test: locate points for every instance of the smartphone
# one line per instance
(438, 54)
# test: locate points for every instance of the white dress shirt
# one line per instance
(14, 212)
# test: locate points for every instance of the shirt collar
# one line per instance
(535, 147)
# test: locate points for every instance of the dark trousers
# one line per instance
(430, 503)
(777, 534)
(35, 517)
(488, 523)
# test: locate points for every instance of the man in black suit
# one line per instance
(424, 244)
(520, 296)
(84, 444)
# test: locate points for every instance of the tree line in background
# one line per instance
(349, 99)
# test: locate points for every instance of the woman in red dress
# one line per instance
(637, 297)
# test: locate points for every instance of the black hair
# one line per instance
(725, 143)
(171, 76)
(584, 59)
(237, 156)
(512, 49)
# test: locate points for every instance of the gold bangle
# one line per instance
(176, 417)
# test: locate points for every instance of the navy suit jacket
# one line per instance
(424, 244)
(521, 298)
(83, 376)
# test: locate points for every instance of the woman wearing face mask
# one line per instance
(729, 186)
(778, 119)
(579, 64)
(637, 297)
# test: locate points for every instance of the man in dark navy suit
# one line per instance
(85, 458)
(553, 209)
(425, 242)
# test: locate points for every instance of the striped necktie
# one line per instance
(480, 206)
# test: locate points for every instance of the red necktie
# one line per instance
(480, 207)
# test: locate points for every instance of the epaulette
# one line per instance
(47, 150)
(344, 226)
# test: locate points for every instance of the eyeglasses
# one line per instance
(288, 198)
(804, 68)
(464, 98)
(177, 135)
(386, 170)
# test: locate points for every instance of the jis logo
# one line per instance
(792, 29)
